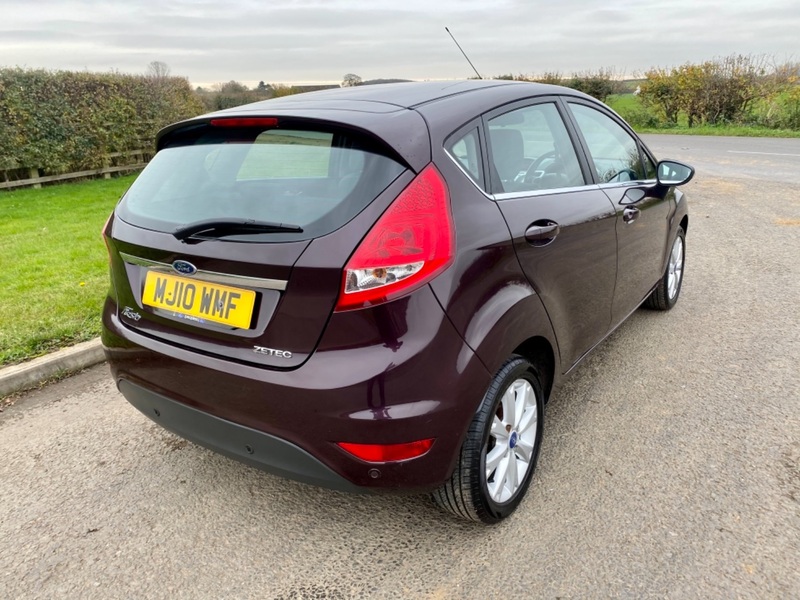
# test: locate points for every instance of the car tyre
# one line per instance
(668, 289)
(499, 453)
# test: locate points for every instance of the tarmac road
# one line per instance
(670, 465)
(750, 159)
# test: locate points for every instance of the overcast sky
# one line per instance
(320, 40)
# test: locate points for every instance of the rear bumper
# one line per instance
(386, 375)
(256, 448)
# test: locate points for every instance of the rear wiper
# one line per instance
(217, 228)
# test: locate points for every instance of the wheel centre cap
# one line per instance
(512, 441)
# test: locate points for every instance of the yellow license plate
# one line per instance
(200, 299)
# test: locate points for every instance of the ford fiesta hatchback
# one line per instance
(378, 288)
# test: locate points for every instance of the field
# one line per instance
(53, 265)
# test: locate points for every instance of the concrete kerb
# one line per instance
(18, 378)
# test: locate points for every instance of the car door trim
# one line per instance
(548, 192)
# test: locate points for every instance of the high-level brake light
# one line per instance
(245, 122)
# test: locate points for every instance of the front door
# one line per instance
(563, 229)
(627, 176)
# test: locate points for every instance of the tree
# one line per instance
(599, 84)
(722, 90)
(231, 87)
(280, 90)
(661, 92)
(228, 95)
(351, 80)
(158, 70)
(550, 77)
(264, 90)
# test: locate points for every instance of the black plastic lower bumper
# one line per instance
(247, 445)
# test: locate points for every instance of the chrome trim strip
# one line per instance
(468, 175)
(625, 184)
(550, 192)
(211, 276)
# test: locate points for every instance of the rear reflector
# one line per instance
(245, 122)
(411, 243)
(380, 453)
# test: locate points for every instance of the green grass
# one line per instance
(53, 265)
(624, 102)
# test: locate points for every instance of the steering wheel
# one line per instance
(632, 176)
(535, 164)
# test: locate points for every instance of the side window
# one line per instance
(531, 150)
(466, 150)
(614, 152)
(649, 167)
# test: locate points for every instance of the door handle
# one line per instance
(541, 233)
(629, 214)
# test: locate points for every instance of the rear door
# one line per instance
(213, 246)
(562, 226)
(627, 176)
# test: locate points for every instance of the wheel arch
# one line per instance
(539, 352)
(521, 327)
(681, 213)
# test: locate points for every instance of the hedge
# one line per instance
(62, 121)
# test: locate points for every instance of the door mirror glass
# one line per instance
(671, 172)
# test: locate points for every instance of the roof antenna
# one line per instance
(464, 53)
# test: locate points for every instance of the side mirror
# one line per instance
(671, 172)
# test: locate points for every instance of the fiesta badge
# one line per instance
(184, 267)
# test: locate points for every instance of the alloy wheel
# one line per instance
(512, 438)
(675, 268)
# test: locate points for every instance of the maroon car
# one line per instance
(379, 287)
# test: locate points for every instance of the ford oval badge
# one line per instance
(184, 268)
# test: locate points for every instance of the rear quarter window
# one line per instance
(466, 151)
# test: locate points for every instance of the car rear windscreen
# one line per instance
(316, 180)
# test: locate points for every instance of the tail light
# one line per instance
(104, 236)
(412, 242)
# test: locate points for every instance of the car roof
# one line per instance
(406, 95)
(392, 112)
